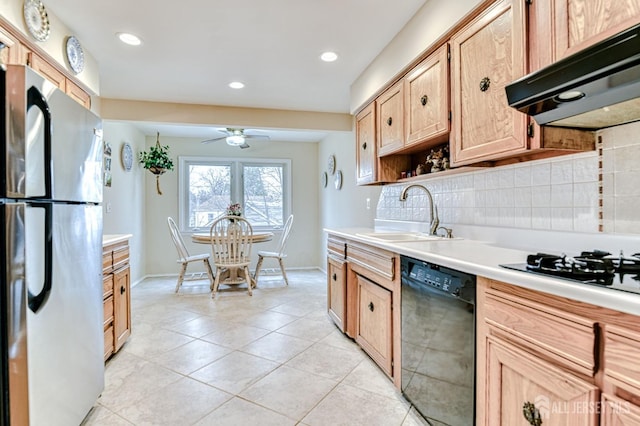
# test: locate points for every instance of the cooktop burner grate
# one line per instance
(595, 267)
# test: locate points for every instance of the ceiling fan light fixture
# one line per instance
(235, 140)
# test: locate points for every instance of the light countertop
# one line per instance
(483, 258)
(114, 238)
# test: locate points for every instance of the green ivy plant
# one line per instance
(156, 160)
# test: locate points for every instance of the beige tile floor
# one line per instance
(271, 359)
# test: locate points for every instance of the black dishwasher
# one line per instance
(438, 341)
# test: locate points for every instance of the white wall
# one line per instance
(126, 196)
(303, 245)
(12, 11)
(346, 207)
(433, 20)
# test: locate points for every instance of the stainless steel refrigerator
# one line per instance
(51, 307)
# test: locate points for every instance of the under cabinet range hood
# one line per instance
(595, 88)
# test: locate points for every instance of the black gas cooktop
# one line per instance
(597, 267)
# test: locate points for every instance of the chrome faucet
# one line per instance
(433, 209)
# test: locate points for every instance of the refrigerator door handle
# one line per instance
(35, 98)
(36, 302)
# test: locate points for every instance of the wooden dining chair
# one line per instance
(231, 241)
(279, 254)
(184, 258)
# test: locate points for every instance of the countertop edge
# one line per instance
(459, 254)
(115, 238)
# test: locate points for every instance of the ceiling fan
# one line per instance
(237, 137)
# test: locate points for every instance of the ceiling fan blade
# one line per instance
(245, 145)
(256, 137)
(214, 140)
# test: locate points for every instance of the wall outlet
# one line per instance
(368, 203)
(108, 208)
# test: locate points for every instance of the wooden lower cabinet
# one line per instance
(122, 306)
(375, 323)
(559, 360)
(618, 412)
(363, 300)
(337, 292)
(117, 300)
(520, 385)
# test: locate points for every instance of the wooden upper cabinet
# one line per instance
(581, 23)
(9, 54)
(427, 100)
(390, 120)
(559, 28)
(79, 95)
(488, 54)
(371, 169)
(56, 77)
(366, 157)
(48, 71)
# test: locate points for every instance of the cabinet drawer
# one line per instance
(380, 261)
(108, 311)
(621, 354)
(337, 247)
(107, 261)
(107, 286)
(565, 338)
(108, 342)
(120, 257)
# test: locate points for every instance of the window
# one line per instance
(208, 186)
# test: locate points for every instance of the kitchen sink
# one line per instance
(398, 237)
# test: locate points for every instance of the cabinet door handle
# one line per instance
(371, 307)
(484, 84)
(423, 100)
(531, 414)
(389, 121)
(364, 145)
(122, 290)
(335, 277)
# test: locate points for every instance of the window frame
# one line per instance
(237, 185)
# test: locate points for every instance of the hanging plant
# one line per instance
(157, 161)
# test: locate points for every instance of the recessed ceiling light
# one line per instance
(329, 56)
(130, 39)
(236, 85)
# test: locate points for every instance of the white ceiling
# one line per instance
(190, 54)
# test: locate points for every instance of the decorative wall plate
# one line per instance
(338, 180)
(325, 179)
(75, 55)
(36, 19)
(126, 156)
(331, 164)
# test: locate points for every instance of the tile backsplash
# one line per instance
(561, 193)
(621, 178)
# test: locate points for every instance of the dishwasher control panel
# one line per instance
(455, 283)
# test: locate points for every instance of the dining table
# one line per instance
(233, 275)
